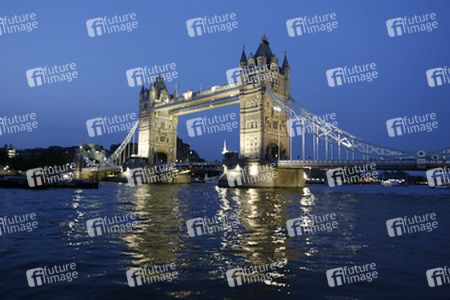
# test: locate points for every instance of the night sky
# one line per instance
(161, 37)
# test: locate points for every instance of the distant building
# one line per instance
(131, 149)
(185, 154)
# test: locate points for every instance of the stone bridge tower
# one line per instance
(157, 129)
(263, 133)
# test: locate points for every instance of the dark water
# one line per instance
(260, 238)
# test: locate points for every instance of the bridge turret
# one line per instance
(264, 53)
(251, 60)
(161, 92)
(263, 126)
(152, 92)
(274, 59)
(243, 61)
(175, 92)
(143, 94)
(286, 70)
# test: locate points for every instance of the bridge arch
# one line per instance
(160, 158)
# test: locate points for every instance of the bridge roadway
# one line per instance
(410, 165)
(214, 97)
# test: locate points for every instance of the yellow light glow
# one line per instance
(253, 170)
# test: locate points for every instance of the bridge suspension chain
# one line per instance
(110, 161)
(333, 135)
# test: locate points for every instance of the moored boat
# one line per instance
(20, 182)
(394, 182)
(75, 184)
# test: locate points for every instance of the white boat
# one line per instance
(391, 182)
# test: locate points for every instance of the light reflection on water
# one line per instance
(260, 238)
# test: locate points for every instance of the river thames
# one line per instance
(258, 237)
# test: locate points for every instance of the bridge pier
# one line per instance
(257, 174)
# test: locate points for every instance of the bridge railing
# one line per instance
(383, 164)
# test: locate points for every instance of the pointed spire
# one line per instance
(152, 86)
(225, 150)
(264, 49)
(175, 93)
(285, 61)
(264, 38)
(243, 56)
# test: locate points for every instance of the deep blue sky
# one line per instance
(161, 38)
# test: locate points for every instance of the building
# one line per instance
(263, 125)
(185, 154)
(264, 132)
(157, 130)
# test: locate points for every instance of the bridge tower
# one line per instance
(263, 132)
(157, 129)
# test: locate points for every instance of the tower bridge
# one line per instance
(269, 118)
(263, 133)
